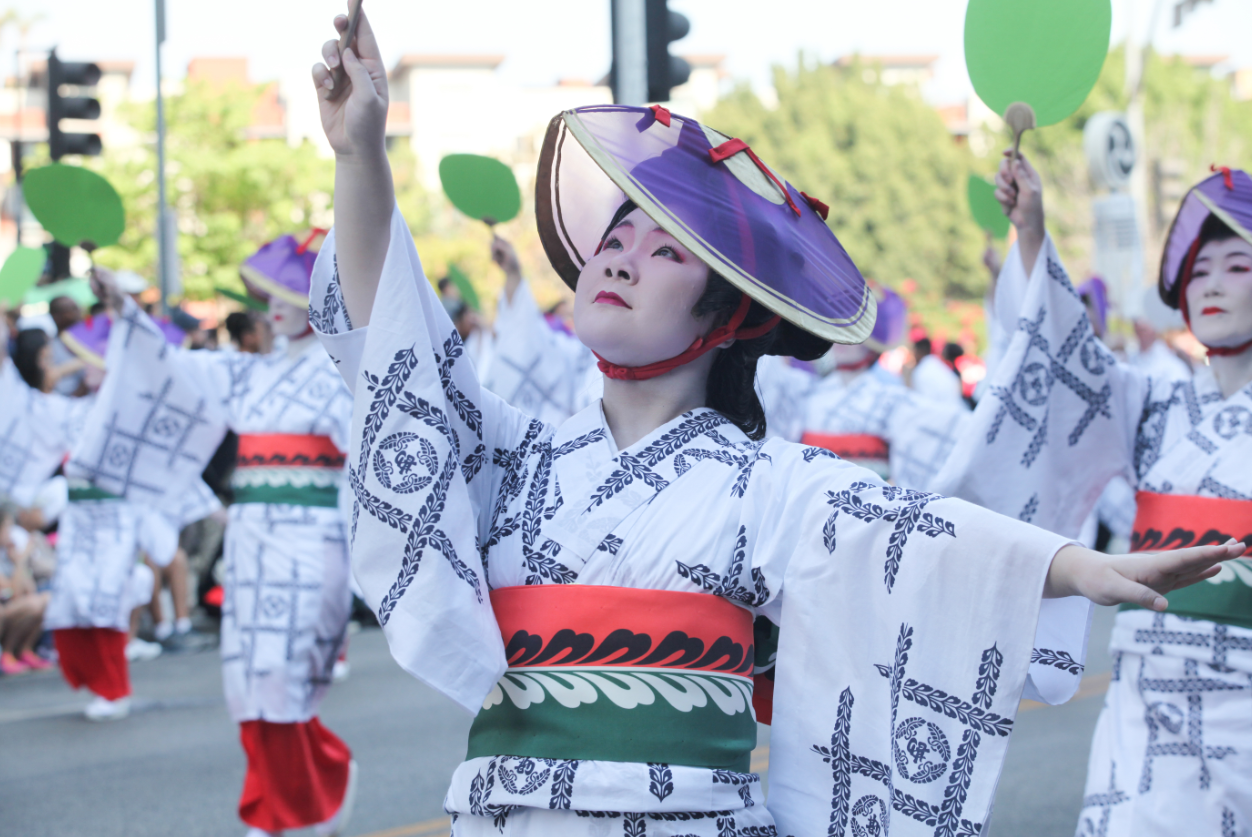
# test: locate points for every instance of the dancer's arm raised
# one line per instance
(355, 125)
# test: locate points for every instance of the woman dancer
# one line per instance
(621, 704)
(287, 597)
(1172, 752)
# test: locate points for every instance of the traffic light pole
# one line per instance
(630, 51)
(163, 265)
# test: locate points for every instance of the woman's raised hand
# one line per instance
(1141, 578)
(355, 124)
(1019, 189)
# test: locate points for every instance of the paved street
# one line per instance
(175, 767)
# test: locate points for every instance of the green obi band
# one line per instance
(85, 492)
(290, 468)
(619, 674)
(1174, 521)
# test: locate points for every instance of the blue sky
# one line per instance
(550, 39)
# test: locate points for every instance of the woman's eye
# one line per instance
(614, 243)
(669, 253)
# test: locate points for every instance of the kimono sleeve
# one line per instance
(541, 371)
(157, 420)
(422, 451)
(906, 625)
(1059, 416)
(1056, 423)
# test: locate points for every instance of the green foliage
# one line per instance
(1189, 117)
(231, 193)
(883, 160)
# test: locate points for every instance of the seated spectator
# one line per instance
(21, 606)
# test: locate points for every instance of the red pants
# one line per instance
(95, 658)
(297, 774)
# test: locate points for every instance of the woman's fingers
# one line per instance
(322, 79)
(330, 54)
(341, 23)
(366, 45)
(1117, 588)
(355, 69)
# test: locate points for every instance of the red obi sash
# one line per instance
(288, 450)
(290, 468)
(864, 449)
(1174, 521)
(620, 674)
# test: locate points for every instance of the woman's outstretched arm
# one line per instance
(355, 125)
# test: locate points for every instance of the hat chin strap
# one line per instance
(1188, 266)
(701, 346)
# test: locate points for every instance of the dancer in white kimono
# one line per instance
(622, 704)
(287, 597)
(865, 414)
(1173, 748)
(100, 577)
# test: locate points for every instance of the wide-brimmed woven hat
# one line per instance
(283, 268)
(718, 199)
(1228, 195)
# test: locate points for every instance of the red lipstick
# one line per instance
(609, 298)
(1213, 309)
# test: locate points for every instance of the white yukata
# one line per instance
(1172, 752)
(163, 414)
(897, 678)
(542, 372)
(919, 431)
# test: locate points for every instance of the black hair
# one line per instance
(239, 323)
(30, 343)
(1213, 229)
(951, 351)
(732, 379)
(923, 346)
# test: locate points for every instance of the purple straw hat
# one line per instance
(1228, 195)
(89, 338)
(716, 197)
(283, 268)
(892, 318)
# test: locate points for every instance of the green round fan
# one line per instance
(985, 208)
(78, 206)
(1045, 53)
(465, 287)
(481, 187)
(78, 290)
(21, 271)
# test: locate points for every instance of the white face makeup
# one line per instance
(287, 320)
(634, 298)
(1219, 295)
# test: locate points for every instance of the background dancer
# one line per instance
(287, 599)
(1172, 753)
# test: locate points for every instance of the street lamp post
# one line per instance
(163, 233)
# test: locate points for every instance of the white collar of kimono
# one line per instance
(583, 522)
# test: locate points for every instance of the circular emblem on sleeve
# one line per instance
(921, 751)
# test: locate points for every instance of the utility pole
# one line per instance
(163, 233)
(630, 52)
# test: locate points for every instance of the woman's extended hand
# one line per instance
(355, 124)
(1141, 578)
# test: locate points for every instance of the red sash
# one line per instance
(285, 450)
(854, 446)
(1174, 521)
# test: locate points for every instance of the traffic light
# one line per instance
(643, 70)
(71, 74)
(665, 71)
